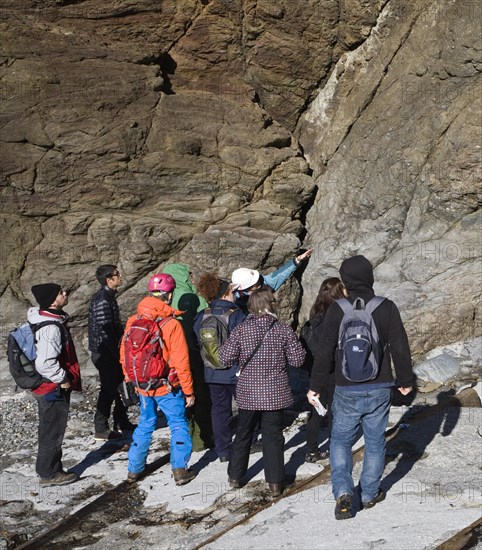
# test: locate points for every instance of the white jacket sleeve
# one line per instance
(49, 348)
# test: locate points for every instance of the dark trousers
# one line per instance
(315, 422)
(272, 440)
(200, 414)
(110, 373)
(51, 430)
(222, 416)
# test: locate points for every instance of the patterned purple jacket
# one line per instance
(263, 384)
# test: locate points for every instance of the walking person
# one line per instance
(105, 332)
(263, 347)
(221, 381)
(56, 361)
(360, 401)
(331, 289)
(158, 366)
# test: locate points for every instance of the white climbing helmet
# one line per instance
(244, 278)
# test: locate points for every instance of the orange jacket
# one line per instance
(175, 348)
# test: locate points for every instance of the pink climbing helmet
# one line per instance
(161, 282)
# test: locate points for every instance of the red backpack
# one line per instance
(143, 360)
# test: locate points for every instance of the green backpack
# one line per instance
(213, 333)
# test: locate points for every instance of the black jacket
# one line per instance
(105, 327)
(357, 275)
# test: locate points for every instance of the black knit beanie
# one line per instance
(45, 294)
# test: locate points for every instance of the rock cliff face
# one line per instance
(224, 133)
(394, 142)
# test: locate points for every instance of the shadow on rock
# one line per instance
(108, 449)
(411, 445)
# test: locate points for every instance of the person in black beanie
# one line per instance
(363, 404)
(105, 333)
(56, 361)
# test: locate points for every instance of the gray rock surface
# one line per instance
(438, 369)
(225, 134)
(394, 143)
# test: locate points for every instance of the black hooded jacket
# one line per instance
(357, 275)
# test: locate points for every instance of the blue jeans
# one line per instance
(173, 406)
(366, 408)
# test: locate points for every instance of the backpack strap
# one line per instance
(371, 306)
(35, 327)
(374, 303)
(225, 314)
(345, 305)
(164, 321)
(258, 345)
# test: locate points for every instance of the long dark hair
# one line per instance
(330, 290)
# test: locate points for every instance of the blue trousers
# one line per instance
(173, 406)
(369, 409)
(222, 416)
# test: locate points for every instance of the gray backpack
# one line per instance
(358, 342)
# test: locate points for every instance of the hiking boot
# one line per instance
(234, 483)
(60, 478)
(107, 436)
(371, 503)
(183, 475)
(317, 456)
(343, 507)
(276, 489)
(131, 476)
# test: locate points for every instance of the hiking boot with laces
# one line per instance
(183, 475)
(343, 507)
(60, 478)
(371, 503)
